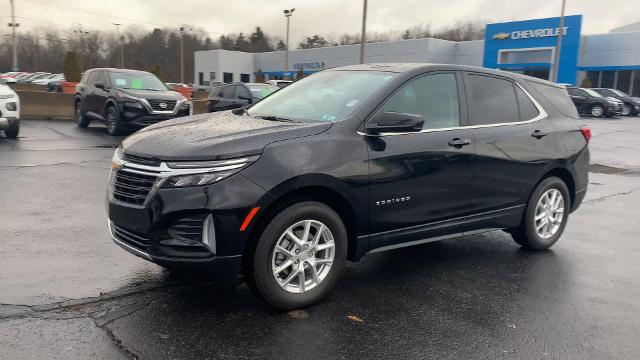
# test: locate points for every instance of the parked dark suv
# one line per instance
(233, 96)
(347, 162)
(590, 102)
(125, 100)
(631, 105)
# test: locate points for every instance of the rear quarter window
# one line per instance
(558, 97)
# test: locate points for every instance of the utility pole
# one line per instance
(556, 60)
(182, 55)
(13, 25)
(287, 14)
(120, 43)
(363, 39)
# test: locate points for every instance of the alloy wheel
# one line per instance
(597, 111)
(549, 213)
(303, 256)
(626, 110)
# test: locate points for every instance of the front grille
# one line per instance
(134, 240)
(156, 105)
(140, 160)
(132, 188)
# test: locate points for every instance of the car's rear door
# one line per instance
(506, 130)
(420, 180)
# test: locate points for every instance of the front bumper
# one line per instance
(139, 118)
(173, 228)
(9, 123)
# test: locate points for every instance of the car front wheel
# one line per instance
(597, 111)
(626, 109)
(545, 216)
(299, 256)
(81, 120)
(113, 119)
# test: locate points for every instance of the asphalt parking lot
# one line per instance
(66, 292)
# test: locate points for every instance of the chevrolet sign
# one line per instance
(530, 34)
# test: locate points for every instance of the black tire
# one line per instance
(627, 109)
(526, 235)
(113, 120)
(597, 110)
(81, 120)
(12, 133)
(261, 274)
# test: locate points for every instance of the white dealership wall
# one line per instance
(413, 50)
(600, 52)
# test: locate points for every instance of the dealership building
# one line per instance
(609, 60)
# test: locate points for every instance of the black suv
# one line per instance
(347, 162)
(590, 102)
(125, 100)
(233, 96)
(631, 105)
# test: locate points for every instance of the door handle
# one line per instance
(538, 134)
(458, 143)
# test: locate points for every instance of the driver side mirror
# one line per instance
(100, 85)
(392, 122)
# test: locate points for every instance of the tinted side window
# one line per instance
(558, 97)
(491, 100)
(229, 92)
(435, 97)
(528, 110)
(243, 92)
(102, 77)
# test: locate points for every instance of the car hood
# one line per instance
(153, 94)
(214, 136)
(5, 90)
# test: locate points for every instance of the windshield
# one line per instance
(324, 96)
(618, 92)
(262, 90)
(136, 80)
(592, 93)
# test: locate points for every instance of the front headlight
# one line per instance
(197, 173)
(12, 106)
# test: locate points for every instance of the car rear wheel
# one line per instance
(597, 111)
(545, 216)
(299, 256)
(81, 120)
(113, 118)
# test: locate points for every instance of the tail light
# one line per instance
(586, 132)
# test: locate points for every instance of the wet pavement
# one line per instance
(66, 292)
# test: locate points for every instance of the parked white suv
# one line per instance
(9, 111)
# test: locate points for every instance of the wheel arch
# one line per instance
(322, 190)
(565, 175)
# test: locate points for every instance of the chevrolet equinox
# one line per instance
(346, 162)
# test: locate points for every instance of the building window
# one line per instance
(245, 78)
(594, 78)
(624, 80)
(212, 76)
(227, 77)
(201, 78)
(608, 77)
(635, 91)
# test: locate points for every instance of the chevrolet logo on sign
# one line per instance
(501, 36)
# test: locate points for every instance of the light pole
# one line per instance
(80, 35)
(13, 25)
(363, 38)
(287, 14)
(556, 60)
(182, 55)
(121, 44)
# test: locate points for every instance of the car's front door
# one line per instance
(421, 180)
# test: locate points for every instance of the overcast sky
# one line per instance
(325, 17)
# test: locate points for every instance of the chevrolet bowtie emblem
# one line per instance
(501, 36)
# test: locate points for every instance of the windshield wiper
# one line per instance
(276, 118)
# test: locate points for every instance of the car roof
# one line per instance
(422, 67)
